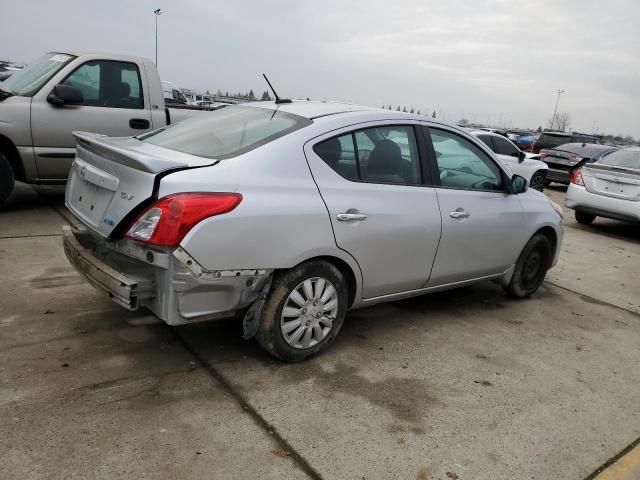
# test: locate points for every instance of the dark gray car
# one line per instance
(565, 159)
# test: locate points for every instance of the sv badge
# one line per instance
(124, 196)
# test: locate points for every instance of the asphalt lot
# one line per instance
(465, 384)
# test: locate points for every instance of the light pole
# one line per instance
(555, 111)
(157, 13)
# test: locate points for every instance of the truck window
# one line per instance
(108, 84)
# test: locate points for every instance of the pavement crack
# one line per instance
(613, 459)
(9, 237)
(271, 430)
(594, 300)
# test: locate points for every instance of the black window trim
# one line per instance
(93, 60)
(423, 164)
(435, 173)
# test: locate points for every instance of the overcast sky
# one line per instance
(484, 60)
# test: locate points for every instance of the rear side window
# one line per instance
(227, 132)
(505, 147)
(386, 154)
(108, 84)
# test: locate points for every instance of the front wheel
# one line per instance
(7, 181)
(537, 181)
(531, 267)
(304, 311)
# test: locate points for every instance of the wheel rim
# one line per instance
(537, 182)
(533, 269)
(309, 312)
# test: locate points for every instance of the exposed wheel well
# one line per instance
(9, 150)
(346, 270)
(550, 233)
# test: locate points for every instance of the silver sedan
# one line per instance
(287, 215)
(608, 188)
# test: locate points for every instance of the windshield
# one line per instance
(226, 132)
(628, 158)
(29, 80)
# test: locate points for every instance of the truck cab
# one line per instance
(61, 92)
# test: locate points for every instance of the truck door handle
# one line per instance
(351, 217)
(139, 123)
(459, 213)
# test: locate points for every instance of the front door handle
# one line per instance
(139, 123)
(351, 217)
(459, 213)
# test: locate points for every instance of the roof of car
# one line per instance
(106, 55)
(486, 132)
(584, 148)
(314, 109)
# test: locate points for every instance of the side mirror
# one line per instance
(518, 185)
(521, 156)
(65, 95)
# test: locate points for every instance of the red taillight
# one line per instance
(576, 177)
(167, 221)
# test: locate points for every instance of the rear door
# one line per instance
(372, 182)
(115, 104)
(481, 223)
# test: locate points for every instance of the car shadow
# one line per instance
(27, 197)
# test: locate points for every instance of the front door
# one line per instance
(114, 104)
(481, 223)
(371, 181)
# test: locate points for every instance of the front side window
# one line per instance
(504, 147)
(226, 132)
(461, 164)
(30, 79)
(387, 154)
(108, 84)
(486, 139)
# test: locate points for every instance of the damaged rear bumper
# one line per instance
(170, 283)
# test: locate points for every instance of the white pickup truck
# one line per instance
(116, 95)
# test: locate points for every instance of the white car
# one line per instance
(608, 188)
(517, 162)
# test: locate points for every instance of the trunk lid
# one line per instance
(111, 177)
(617, 182)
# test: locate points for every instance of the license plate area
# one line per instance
(90, 193)
(618, 189)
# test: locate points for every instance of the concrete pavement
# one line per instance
(466, 384)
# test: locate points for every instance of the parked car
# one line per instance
(515, 159)
(290, 214)
(564, 160)
(61, 92)
(608, 188)
(173, 95)
(555, 139)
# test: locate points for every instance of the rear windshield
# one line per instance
(227, 132)
(588, 150)
(551, 139)
(627, 158)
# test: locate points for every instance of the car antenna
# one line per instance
(278, 99)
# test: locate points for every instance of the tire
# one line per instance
(531, 267)
(537, 181)
(584, 218)
(277, 332)
(7, 180)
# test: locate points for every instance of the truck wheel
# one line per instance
(584, 218)
(304, 311)
(537, 181)
(7, 181)
(531, 267)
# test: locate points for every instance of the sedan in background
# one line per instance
(287, 215)
(608, 188)
(516, 161)
(566, 159)
(555, 139)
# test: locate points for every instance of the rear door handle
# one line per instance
(459, 213)
(351, 217)
(139, 123)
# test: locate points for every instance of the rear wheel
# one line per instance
(531, 267)
(304, 311)
(584, 218)
(537, 181)
(7, 181)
